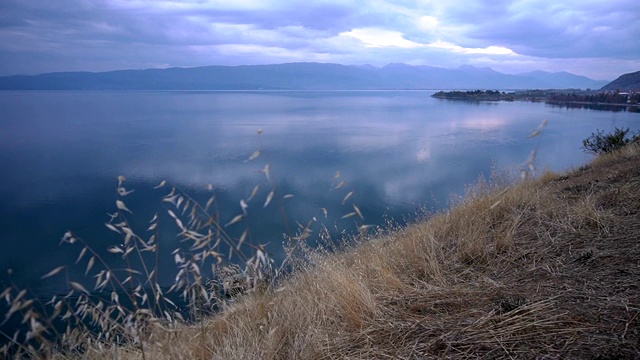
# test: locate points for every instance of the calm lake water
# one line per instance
(399, 151)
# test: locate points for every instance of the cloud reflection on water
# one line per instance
(61, 153)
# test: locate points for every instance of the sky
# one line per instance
(599, 39)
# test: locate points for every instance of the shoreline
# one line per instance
(544, 267)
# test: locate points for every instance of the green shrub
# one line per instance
(600, 142)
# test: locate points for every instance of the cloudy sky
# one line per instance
(596, 38)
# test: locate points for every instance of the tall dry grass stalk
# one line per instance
(497, 276)
(120, 303)
(481, 280)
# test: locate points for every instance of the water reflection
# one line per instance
(600, 107)
(62, 151)
(484, 124)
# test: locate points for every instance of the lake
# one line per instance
(400, 152)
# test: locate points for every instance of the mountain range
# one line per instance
(299, 76)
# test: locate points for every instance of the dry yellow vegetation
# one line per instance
(547, 268)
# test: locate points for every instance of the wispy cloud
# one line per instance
(489, 50)
(378, 38)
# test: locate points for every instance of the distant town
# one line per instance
(628, 100)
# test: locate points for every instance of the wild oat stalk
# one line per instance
(528, 169)
(127, 305)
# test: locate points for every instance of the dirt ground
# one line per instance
(596, 275)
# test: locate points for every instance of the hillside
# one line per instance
(630, 81)
(541, 269)
(296, 76)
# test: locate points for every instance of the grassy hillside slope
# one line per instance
(546, 268)
(630, 81)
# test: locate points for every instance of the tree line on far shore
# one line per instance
(553, 96)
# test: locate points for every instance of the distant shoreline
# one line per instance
(602, 100)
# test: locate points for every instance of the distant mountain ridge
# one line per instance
(630, 81)
(298, 76)
(565, 80)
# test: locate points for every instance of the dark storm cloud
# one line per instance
(562, 29)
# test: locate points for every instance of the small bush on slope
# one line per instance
(600, 142)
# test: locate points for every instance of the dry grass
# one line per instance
(543, 269)
(546, 268)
